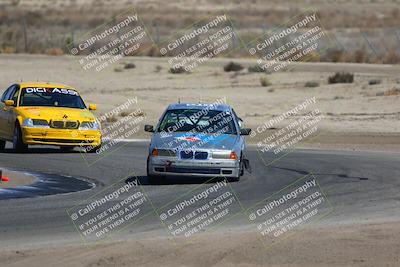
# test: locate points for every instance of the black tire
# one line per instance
(2, 145)
(233, 179)
(93, 150)
(241, 171)
(18, 143)
(152, 178)
(66, 148)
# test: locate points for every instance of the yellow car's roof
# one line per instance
(44, 84)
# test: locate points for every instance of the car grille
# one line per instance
(201, 155)
(64, 124)
(191, 170)
(52, 140)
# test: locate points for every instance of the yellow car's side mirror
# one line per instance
(9, 103)
(92, 107)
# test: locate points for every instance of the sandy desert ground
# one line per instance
(355, 115)
(361, 245)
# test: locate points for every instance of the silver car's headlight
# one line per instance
(35, 123)
(163, 152)
(224, 154)
(87, 125)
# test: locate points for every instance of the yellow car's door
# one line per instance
(4, 112)
(2, 120)
(10, 113)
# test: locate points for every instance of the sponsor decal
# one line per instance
(188, 138)
(55, 90)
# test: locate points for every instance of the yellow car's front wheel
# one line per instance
(18, 143)
(66, 148)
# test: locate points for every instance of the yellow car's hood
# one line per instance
(56, 113)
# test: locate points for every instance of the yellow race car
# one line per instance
(47, 114)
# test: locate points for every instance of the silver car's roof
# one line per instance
(219, 107)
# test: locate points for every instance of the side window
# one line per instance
(239, 120)
(7, 93)
(14, 96)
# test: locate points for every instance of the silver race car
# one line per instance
(197, 140)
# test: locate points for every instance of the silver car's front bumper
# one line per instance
(169, 166)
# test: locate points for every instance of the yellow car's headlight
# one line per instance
(87, 125)
(35, 123)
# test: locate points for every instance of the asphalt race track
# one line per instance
(361, 187)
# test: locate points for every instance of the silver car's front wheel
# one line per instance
(153, 179)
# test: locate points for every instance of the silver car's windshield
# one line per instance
(198, 121)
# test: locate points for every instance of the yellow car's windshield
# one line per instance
(51, 97)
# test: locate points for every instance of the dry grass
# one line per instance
(341, 77)
(50, 25)
(392, 92)
(54, 51)
(265, 82)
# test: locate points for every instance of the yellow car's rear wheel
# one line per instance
(93, 149)
(66, 148)
(2, 144)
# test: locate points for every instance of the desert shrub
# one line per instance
(311, 84)
(374, 81)
(177, 70)
(125, 113)
(341, 77)
(334, 55)
(8, 50)
(313, 57)
(393, 91)
(232, 66)
(265, 82)
(360, 56)
(129, 66)
(255, 68)
(158, 69)
(55, 51)
(391, 57)
(139, 113)
(118, 69)
(111, 119)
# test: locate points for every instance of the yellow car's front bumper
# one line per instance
(61, 137)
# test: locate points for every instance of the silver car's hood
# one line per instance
(198, 141)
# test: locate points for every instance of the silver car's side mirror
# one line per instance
(245, 131)
(149, 128)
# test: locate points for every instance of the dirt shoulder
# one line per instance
(16, 179)
(354, 116)
(356, 245)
